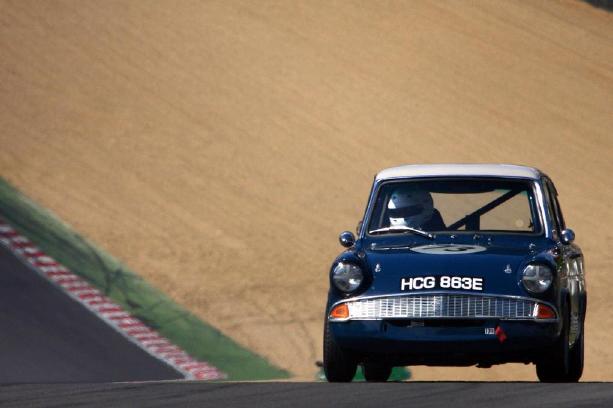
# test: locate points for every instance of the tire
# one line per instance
(564, 364)
(339, 365)
(576, 360)
(376, 372)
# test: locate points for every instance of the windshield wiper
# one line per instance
(400, 228)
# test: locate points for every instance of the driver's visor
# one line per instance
(405, 212)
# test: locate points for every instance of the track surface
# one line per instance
(46, 337)
(311, 394)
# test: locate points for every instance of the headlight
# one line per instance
(537, 278)
(347, 277)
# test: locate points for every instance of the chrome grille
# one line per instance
(441, 306)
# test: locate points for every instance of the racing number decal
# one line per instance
(441, 282)
(448, 249)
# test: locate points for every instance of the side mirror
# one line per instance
(347, 239)
(567, 236)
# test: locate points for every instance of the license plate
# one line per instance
(441, 282)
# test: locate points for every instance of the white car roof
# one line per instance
(434, 170)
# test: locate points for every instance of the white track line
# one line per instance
(114, 315)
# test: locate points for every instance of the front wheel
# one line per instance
(339, 364)
(565, 364)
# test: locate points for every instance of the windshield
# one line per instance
(470, 205)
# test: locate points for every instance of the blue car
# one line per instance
(457, 265)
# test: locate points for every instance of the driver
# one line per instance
(411, 207)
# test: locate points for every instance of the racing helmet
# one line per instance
(409, 207)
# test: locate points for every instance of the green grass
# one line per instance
(155, 309)
(398, 374)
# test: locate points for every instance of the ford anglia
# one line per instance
(457, 265)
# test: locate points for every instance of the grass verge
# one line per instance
(398, 374)
(155, 309)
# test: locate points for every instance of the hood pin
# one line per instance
(508, 269)
(378, 268)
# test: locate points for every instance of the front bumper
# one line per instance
(476, 342)
(442, 328)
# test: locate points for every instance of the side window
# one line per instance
(554, 205)
(550, 209)
(558, 210)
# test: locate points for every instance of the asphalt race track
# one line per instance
(46, 337)
(295, 395)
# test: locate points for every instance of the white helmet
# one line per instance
(410, 207)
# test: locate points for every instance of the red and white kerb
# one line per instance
(123, 322)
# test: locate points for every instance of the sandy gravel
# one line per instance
(219, 147)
